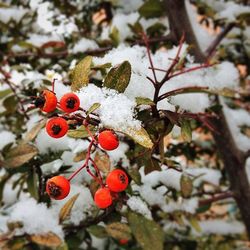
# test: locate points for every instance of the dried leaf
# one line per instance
(31, 135)
(80, 156)
(47, 240)
(19, 155)
(103, 162)
(66, 209)
(119, 230)
(186, 186)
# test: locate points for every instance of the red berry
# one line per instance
(58, 187)
(108, 140)
(103, 198)
(69, 102)
(57, 127)
(47, 101)
(117, 180)
(123, 241)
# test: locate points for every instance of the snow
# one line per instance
(221, 227)
(83, 206)
(237, 118)
(216, 78)
(136, 204)
(116, 110)
(121, 21)
(232, 10)
(35, 217)
(84, 44)
(13, 13)
(38, 39)
(8, 136)
(187, 205)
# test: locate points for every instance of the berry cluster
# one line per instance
(58, 187)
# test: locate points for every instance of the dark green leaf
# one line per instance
(151, 9)
(118, 77)
(97, 231)
(32, 183)
(146, 232)
(119, 230)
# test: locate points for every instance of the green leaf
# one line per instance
(138, 135)
(186, 131)
(151, 165)
(186, 186)
(146, 232)
(94, 107)
(80, 74)
(66, 209)
(135, 175)
(4, 93)
(119, 230)
(19, 155)
(118, 77)
(115, 36)
(144, 101)
(97, 231)
(151, 9)
(81, 132)
(32, 182)
(195, 224)
(102, 66)
(10, 104)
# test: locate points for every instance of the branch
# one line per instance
(212, 47)
(219, 197)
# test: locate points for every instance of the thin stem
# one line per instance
(184, 90)
(145, 38)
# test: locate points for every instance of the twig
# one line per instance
(212, 47)
(219, 197)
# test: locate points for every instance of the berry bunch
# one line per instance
(58, 187)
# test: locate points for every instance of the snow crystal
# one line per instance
(138, 205)
(83, 45)
(116, 110)
(36, 218)
(119, 154)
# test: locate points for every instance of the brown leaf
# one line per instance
(19, 155)
(66, 209)
(80, 156)
(47, 240)
(31, 135)
(103, 162)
